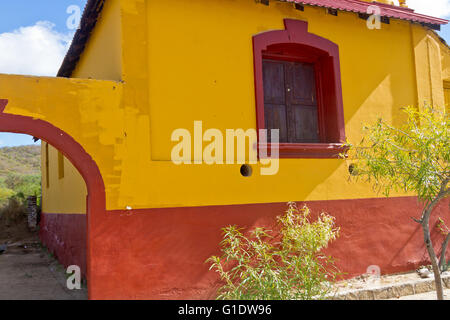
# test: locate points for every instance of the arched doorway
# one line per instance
(75, 153)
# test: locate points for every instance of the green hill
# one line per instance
(20, 174)
(23, 160)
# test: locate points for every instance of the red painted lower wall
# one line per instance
(65, 236)
(160, 253)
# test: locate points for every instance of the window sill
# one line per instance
(308, 150)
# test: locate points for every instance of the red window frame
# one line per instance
(296, 44)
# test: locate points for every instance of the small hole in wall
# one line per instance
(353, 170)
(246, 170)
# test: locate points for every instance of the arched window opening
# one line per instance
(298, 91)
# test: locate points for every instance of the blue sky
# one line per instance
(445, 33)
(24, 23)
(15, 14)
(19, 13)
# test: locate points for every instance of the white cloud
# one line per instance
(34, 50)
(435, 8)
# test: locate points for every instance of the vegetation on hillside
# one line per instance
(20, 174)
(24, 160)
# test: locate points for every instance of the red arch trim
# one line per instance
(72, 150)
(3, 104)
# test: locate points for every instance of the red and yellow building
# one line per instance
(142, 226)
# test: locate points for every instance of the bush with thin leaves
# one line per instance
(285, 264)
(413, 157)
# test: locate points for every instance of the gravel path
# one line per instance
(28, 272)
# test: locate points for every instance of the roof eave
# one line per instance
(88, 21)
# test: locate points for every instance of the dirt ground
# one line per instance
(28, 271)
(368, 281)
(425, 296)
(398, 283)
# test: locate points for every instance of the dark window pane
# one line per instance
(305, 119)
(290, 103)
(275, 116)
(275, 98)
(273, 82)
(304, 84)
(301, 103)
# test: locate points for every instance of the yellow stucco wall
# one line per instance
(445, 59)
(211, 43)
(445, 62)
(428, 64)
(61, 195)
(102, 58)
(194, 61)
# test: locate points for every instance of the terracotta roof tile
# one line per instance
(389, 11)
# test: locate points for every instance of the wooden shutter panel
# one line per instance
(302, 103)
(275, 98)
(290, 102)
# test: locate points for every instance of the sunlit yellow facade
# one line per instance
(153, 66)
(212, 80)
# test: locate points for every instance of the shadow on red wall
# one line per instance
(160, 253)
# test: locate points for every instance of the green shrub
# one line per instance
(413, 157)
(20, 187)
(5, 194)
(13, 211)
(278, 265)
(28, 185)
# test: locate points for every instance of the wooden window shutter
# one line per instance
(290, 102)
